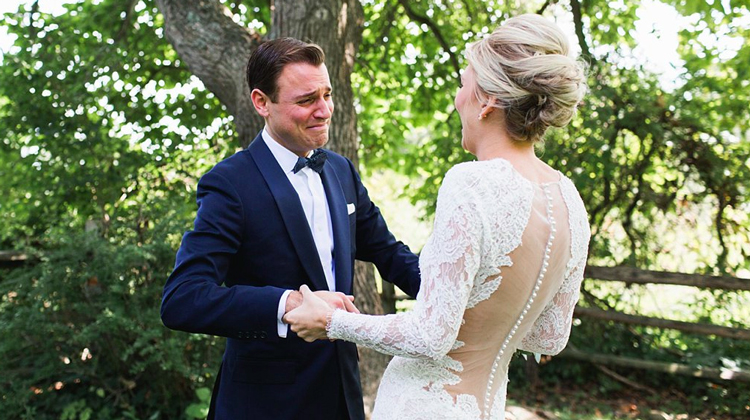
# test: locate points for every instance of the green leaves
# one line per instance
(199, 410)
(84, 334)
(102, 130)
(638, 151)
(99, 118)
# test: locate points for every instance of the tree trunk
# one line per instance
(216, 50)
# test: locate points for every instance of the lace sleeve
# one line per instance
(551, 330)
(449, 262)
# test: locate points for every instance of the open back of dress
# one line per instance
(501, 271)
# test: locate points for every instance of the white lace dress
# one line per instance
(501, 271)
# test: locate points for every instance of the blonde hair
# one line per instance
(525, 65)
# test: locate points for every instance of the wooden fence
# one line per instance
(12, 259)
(630, 275)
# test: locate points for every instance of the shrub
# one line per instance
(82, 337)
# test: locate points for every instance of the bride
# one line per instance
(503, 266)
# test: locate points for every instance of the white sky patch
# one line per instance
(9, 6)
(656, 36)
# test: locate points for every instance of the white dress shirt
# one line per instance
(312, 196)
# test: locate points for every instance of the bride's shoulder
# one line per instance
(460, 172)
(479, 174)
(480, 169)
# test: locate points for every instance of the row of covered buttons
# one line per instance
(246, 335)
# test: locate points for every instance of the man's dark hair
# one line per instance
(267, 62)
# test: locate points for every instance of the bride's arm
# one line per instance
(551, 330)
(449, 263)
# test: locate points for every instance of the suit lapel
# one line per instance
(291, 211)
(341, 234)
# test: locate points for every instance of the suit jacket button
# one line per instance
(262, 334)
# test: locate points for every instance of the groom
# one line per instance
(271, 218)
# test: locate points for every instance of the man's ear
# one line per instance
(260, 102)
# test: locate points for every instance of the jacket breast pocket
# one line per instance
(264, 371)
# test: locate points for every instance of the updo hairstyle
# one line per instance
(526, 66)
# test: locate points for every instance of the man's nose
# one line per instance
(323, 109)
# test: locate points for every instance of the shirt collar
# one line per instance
(286, 158)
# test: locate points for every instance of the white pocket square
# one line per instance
(350, 208)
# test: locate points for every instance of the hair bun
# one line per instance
(526, 67)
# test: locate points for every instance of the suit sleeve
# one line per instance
(375, 243)
(194, 299)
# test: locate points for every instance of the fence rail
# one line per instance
(690, 327)
(12, 259)
(632, 275)
(673, 368)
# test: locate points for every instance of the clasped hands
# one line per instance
(308, 312)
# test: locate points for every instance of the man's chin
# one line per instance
(319, 141)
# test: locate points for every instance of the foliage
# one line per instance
(105, 131)
(639, 152)
(99, 118)
(84, 338)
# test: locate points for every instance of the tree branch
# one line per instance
(435, 30)
(607, 199)
(469, 10)
(616, 376)
(127, 21)
(719, 223)
(32, 28)
(578, 21)
(215, 49)
(389, 16)
(545, 5)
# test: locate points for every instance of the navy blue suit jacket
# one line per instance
(251, 235)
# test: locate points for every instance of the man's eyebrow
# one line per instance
(306, 94)
(312, 93)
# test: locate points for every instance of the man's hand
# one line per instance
(335, 300)
(310, 319)
(338, 300)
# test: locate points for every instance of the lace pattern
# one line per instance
(448, 270)
(482, 211)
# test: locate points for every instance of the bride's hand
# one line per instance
(310, 319)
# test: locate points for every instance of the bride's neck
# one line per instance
(501, 146)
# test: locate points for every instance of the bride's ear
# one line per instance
(488, 108)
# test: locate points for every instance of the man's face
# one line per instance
(301, 115)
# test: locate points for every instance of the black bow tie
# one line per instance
(314, 162)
